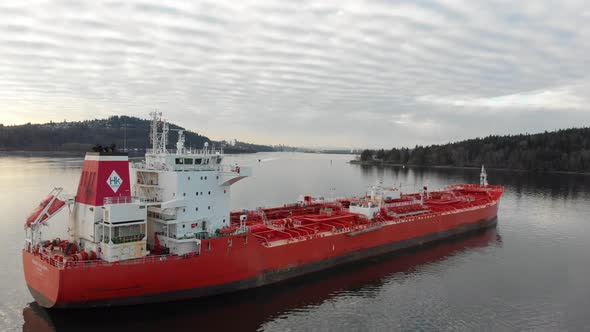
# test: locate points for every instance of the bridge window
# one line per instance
(179, 161)
(188, 161)
(198, 161)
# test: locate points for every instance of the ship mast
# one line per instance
(158, 140)
(483, 177)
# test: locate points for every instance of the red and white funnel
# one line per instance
(104, 175)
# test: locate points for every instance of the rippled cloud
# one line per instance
(306, 73)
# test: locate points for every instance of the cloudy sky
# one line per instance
(305, 73)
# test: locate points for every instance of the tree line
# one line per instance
(121, 131)
(565, 150)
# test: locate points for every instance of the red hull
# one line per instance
(233, 263)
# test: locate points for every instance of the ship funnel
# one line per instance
(104, 175)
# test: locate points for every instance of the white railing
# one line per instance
(186, 151)
(125, 200)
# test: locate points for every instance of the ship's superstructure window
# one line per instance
(179, 161)
(198, 161)
(188, 161)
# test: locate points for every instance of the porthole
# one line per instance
(218, 177)
(205, 178)
(183, 194)
(189, 178)
(201, 178)
(183, 210)
(197, 193)
(209, 193)
(196, 209)
(208, 208)
(183, 225)
(223, 220)
(224, 191)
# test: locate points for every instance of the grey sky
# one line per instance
(306, 73)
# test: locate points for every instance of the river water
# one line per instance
(530, 272)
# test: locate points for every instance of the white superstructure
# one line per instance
(188, 191)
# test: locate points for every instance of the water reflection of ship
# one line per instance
(246, 311)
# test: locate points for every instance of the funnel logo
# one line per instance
(114, 181)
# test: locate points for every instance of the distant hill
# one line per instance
(566, 150)
(82, 135)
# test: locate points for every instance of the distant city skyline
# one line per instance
(342, 74)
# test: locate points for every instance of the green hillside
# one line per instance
(82, 135)
(566, 150)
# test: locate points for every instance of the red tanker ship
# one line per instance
(162, 230)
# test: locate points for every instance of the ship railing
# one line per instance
(70, 264)
(127, 199)
(120, 200)
(405, 203)
(151, 166)
(187, 151)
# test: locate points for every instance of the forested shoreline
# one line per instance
(123, 131)
(566, 150)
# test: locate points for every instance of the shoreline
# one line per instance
(367, 163)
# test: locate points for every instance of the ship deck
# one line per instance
(301, 221)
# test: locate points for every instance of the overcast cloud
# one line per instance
(305, 73)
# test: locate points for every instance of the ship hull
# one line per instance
(229, 266)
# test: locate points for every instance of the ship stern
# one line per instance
(43, 279)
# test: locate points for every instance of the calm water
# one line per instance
(531, 272)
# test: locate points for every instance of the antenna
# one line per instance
(154, 129)
(125, 135)
(159, 140)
